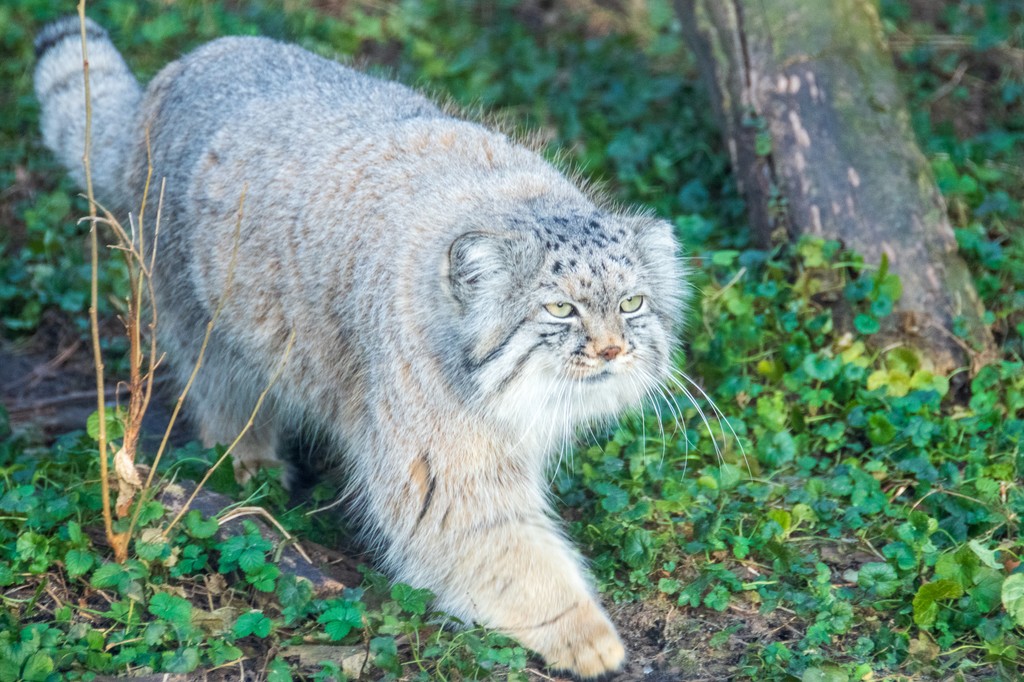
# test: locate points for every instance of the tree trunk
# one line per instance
(816, 80)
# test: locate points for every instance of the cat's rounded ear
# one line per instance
(655, 238)
(474, 260)
(658, 250)
(482, 262)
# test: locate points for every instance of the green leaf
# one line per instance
(812, 250)
(880, 578)
(19, 499)
(278, 671)
(857, 290)
(252, 623)
(295, 595)
(613, 498)
(162, 28)
(637, 550)
(740, 547)
(773, 411)
(78, 562)
(198, 527)
(38, 667)
(151, 546)
(151, 511)
(959, 566)
(251, 559)
(171, 608)
(410, 599)
(221, 652)
(780, 449)
(926, 601)
(724, 258)
(717, 598)
(341, 619)
(865, 324)
(264, 578)
(155, 632)
(115, 424)
(107, 575)
(385, 654)
(881, 306)
(184, 660)
(927, 381)
(384, 645)
(243, 551)
(722, 636)
(191, 559)
(880, 429)
(987, 556)
(985, 593)
(31, 545)
(820, 367)
(802, 513)
(783, 518)
(729, 475)
(1013, 597)
(669, 585)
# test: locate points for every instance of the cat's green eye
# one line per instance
(631, 304)
(560, 309)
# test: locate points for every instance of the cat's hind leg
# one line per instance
(257, 448)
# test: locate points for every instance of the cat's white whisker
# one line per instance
(651, 390)
(723, 421)
(561, 423)
(703, 417)
(646, 394)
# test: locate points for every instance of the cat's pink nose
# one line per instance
(610, 353)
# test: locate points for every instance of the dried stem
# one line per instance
(138, 396)
(199, 360)
(239, 512)
(117, 541)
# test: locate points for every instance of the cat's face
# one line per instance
(575, 316)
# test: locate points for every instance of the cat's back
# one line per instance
(234, 71)
(241, 84)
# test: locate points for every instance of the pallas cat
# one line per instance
(459, 306)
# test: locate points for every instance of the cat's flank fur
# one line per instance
(459, 306)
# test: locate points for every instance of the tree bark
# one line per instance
(818, 80)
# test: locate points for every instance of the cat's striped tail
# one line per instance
(60, 89)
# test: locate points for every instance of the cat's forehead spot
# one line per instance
(588, 257)
(596, 282)
(579, 230)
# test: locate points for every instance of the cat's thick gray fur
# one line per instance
(420, 260)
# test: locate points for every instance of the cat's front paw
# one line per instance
(583, 642)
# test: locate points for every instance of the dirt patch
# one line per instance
(666, 642)
(48, 385)
(46, 380)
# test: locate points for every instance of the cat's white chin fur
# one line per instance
(545, 407)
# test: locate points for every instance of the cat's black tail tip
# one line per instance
(65, 27)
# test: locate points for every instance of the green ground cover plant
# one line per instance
(863, 509)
